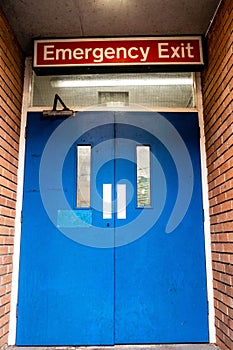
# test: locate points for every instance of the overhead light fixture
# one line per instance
(71, 83)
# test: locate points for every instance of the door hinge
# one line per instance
(25, 131)
(17, 311)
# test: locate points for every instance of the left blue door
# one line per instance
(60, 299)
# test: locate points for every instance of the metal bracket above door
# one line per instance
(65, 112)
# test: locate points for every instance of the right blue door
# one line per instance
(160, 277)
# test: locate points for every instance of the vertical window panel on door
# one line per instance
(143, 176)
(83, 176)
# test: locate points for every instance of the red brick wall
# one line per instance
(11, 86)
(217, 98)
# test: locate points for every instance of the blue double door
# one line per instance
(112, 246)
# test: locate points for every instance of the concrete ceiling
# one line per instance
(82, 18)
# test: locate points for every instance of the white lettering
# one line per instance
(48, 52)
(121, 55)
(189, 48)
(109, 53)
(162, 49)
(87, 53)
(130, 52)
(78, 54)
(175, 52)
(63, 53)
(118, 50)
(144, 53)
(182, 51)
(98, 54)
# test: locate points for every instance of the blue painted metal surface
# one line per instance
(160, 279)
(66, 290)
(152, 290)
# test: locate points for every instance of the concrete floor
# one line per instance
(127, 347)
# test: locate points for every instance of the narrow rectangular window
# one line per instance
(83, 176)
(143, 176)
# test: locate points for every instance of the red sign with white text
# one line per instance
(118, 51)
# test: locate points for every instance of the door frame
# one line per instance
(19, 200)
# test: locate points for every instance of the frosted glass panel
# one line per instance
(128, 90)
(84, 173)
(143, 176)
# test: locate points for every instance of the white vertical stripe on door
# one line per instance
(107, 201)
(121, 201)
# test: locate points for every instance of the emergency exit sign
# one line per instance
(118, 52)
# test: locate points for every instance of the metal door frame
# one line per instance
(19, 200)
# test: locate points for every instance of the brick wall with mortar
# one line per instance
(217, 98)
(11, 88)
(217, 79)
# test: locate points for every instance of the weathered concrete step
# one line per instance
(125, 347)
